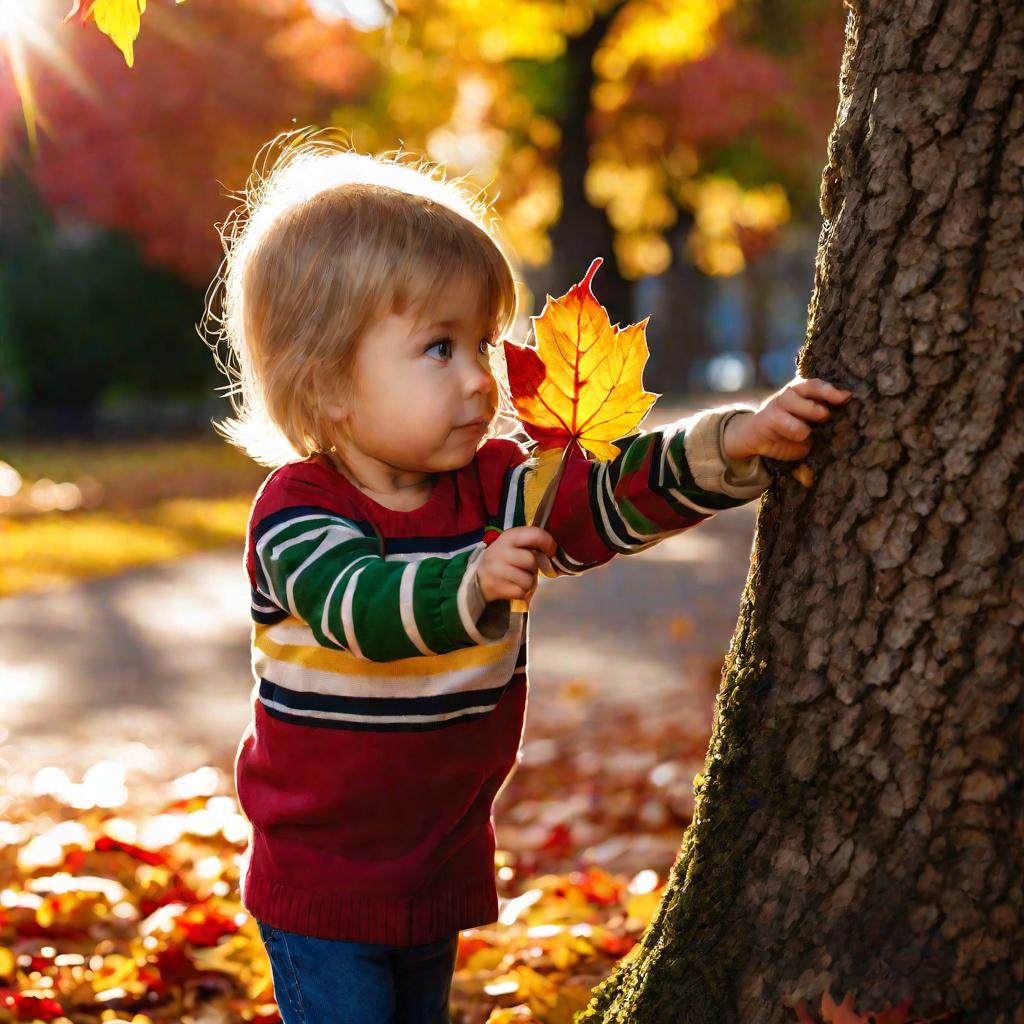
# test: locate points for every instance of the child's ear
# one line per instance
(334, 412)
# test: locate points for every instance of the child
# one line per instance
(364, 300)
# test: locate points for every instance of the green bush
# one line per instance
(83, 318)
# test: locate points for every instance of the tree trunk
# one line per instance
(858, 826)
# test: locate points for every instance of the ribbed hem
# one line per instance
(395, 921)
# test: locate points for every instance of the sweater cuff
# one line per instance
(703, 442)
(483, 620)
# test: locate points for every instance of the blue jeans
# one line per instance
(334, 981)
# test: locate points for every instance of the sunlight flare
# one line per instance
(27, 28)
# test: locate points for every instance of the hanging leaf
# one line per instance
(578, 389)
(119, 19)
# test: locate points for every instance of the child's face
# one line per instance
(416, 387)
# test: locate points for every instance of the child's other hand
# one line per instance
(508, 568)
(781, 427)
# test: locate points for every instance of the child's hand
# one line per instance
(780, 427)
(508, 568)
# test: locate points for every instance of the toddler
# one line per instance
(364, 301)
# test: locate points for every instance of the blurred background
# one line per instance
(681, 140)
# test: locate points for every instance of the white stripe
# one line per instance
(668, 460)
(514, 485)
(326, 525)
(645, 540)
(275, 530)
(418, 556)
(325, 629)
(271, 533)
(338, 716)
(331, 540)
(405, 606)
(604, 490)
(303, 679)
(347, 621)
(566, 565)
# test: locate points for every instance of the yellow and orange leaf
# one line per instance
(579, 388)
(582, 381)
(118, 19)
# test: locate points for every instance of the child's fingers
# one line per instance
(509, 583)
(530, 538)
(522, 558)
(804, 408)
(788, 426)
(815, 387)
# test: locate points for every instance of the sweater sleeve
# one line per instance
(322, 568)
(662, 482)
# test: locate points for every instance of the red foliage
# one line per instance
(152, 149)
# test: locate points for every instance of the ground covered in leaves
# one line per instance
(120, 885)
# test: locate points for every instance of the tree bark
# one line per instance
(858, 825)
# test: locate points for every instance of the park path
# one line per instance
(152, 665)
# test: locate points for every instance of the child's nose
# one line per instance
(480, 380)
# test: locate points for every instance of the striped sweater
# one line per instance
(389, 696)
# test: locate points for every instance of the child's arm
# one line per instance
(324, 569)
(663, 481)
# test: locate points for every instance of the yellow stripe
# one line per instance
(343, 663)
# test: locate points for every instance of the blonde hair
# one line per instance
(320, 248)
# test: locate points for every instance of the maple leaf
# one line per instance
(844, 1012)
(579, 388)
(119, 19)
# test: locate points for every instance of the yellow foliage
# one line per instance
(120, 19)
(57, 548)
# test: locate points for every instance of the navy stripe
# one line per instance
(282, 515)
(327, 723)
(439, 705)
(260, 602)
(439, 545)
(621, 542)
(267, 618)
(655, 455)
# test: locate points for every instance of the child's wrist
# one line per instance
(734, 437)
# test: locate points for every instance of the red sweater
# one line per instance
(389, 697)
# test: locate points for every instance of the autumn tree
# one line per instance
(595, 124)
(858, 821)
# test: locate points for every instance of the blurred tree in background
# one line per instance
(82, 317)
(675, 140)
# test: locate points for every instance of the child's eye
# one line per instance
(485, 343)
(439, 342)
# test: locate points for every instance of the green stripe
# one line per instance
(637, 520)
(380, 632)
(278, 569)
(436, 606)
(377, 613)
(636, 453)
(688, 486)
